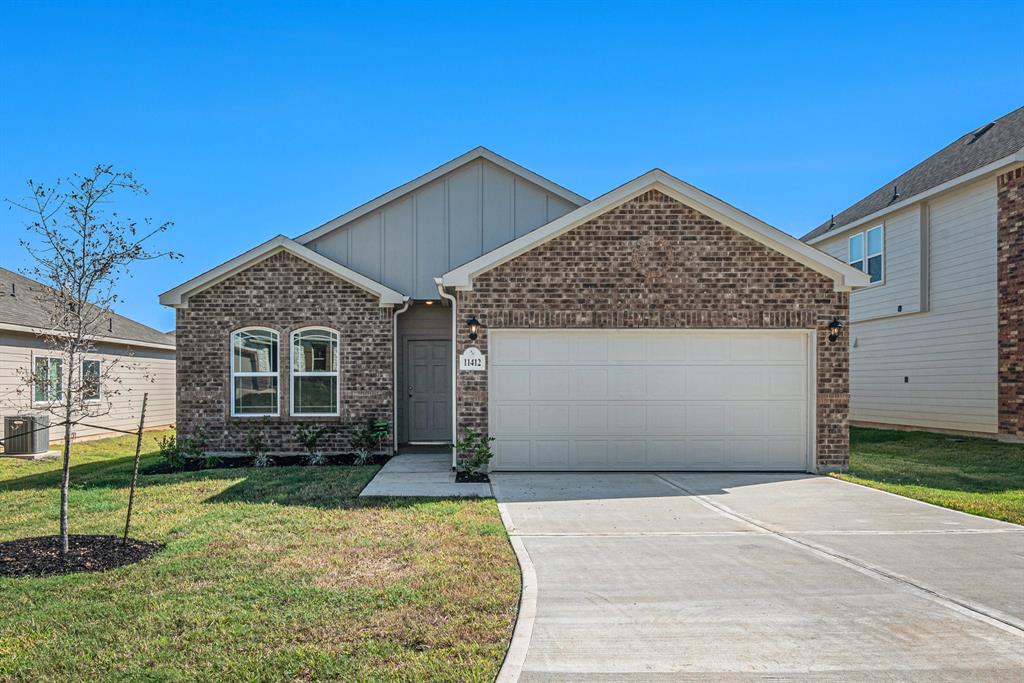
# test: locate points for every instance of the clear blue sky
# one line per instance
(249, 120)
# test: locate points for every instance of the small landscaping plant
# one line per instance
(309, 436)
(256, 445)
(177, 452)
(475, 453)
(368, 441)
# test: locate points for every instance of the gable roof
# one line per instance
(178, 297)
(844, 276)
(413, 185)
(976, 153)
(20, 311)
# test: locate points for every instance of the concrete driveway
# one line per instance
(742, 577)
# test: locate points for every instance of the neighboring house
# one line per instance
(145, 359)
(938, 336)
(655, 327)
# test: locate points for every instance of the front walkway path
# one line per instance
(742, 577)
(421, 475)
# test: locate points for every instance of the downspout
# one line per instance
(394, 375)
(455, 418)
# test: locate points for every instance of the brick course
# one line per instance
(654, 262)
(283, 293)
(1010, 279)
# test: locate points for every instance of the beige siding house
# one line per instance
(144, 359)
(936, 339)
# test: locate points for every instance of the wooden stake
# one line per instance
(135, 470)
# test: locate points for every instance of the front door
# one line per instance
(429, 374)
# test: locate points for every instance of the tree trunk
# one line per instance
(135, 470)
(65, 477)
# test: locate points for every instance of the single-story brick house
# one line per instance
(655, 327)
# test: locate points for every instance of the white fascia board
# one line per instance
(844, 276)
(39, 331)
(178, 297)
(416, 183)
(976, 174)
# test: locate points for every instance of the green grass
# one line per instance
(277, 574)
(979, 476)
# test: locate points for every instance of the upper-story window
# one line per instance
(866, 252)
(315, 372)
(254, 386)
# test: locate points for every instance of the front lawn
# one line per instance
(979, 476)
(276, 574)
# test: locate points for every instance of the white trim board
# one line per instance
(415, 184)
(178, 297)
(990, 169)
(844, 276)
(41, 332)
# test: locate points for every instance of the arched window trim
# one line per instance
(293, 374)
(275, 374)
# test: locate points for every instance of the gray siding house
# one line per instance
(144, 359)
(654, 327)
(937, 337)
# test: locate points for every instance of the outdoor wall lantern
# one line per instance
(474, 327)
(834, 328)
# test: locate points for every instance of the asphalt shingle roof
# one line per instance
(980, 147)
(18, 306)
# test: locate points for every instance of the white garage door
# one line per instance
(649, 400)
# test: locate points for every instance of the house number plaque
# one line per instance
(472, 360)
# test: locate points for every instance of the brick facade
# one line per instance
(283, 293)
(1010, 279)
(656, 263)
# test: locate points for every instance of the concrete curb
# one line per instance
(515, 657)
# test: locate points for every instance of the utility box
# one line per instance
(26, 434)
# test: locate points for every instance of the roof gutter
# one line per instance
(40, 332)
(976, 174)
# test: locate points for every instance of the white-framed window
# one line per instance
(254, 378)
(867, 252)
(91, 380)
(48, 376)
(315, 372)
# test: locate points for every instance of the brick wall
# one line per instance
(656, 263)
(1010, 279)
(283, 293)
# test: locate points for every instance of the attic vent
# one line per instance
(12, 289)
(981, 131)
(895, 194)
(110, 324)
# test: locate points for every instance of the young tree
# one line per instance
(80, 247)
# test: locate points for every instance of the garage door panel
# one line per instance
(654, 400)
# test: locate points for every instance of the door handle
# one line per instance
(410, 390)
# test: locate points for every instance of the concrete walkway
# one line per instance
(421, 476)
(743, 577)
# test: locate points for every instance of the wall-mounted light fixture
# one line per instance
(834, 328)
(474, 327)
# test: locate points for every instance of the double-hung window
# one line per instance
(315, 372)
(254, 385)
(48, 379)
(91, 380)
(866, 252)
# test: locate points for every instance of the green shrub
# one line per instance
(309, 436)
(474, 450)
(368, 441)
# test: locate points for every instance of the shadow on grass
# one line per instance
(956, 464)
(328, 487)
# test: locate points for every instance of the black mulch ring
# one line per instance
(40, 555)
(471, 478)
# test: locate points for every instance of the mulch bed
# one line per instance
(40, 555)
(471, 478)
(229, 461)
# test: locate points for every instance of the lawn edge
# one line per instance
(838, 476)
(526, 615)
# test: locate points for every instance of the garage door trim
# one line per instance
(811, 367)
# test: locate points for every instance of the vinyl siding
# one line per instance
(901, 282)
(947, 354)
(408, 242)
(142, 370)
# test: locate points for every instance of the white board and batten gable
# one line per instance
(453, 214)
(844, 276)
